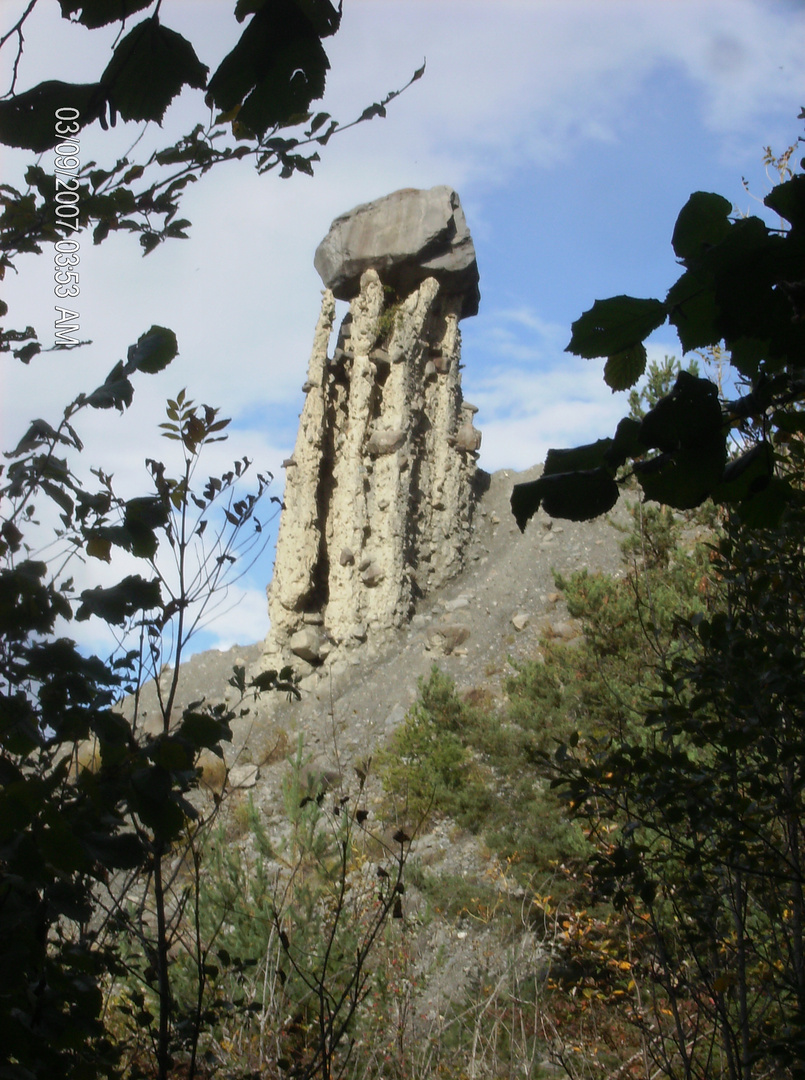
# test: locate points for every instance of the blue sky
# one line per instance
(573, 130)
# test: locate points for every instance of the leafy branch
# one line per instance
(741, 289)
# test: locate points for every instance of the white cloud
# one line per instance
(525, 410)
(241, 620)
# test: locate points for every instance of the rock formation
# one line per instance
(406, 237)
(380, 487)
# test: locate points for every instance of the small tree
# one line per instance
(73, 838)
(696, 803)
(698, 818)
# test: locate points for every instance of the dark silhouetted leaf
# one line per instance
(703, 222)
(788, 200)
(765, 509)
(94, 13)
(611, 326)
(692, 310)
(746, 475)
(142, 517)
(149, 67)
(116, 391)
(577, 496)
(204, 731)
(99, 547)
(626, 443)
(28, 352)
(118, 603)
(689, 416)
(276, 69)
(154, 350)
(26, 120)
(685, 478)
(591, 456)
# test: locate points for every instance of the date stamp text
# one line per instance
(66, 196)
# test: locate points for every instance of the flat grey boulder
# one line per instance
(406, 237)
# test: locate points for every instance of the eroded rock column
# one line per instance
(380, 486)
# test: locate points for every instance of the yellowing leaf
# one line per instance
(99, 548)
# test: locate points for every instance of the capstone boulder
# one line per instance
(406, 237)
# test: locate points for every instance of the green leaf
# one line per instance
(154, 350)
(288, 88)
(624, 368)
(118, 603)
(689, 416)
(685, 478)
(692, 309)
(149, 67)
(788, 200)
(95, 13)
(614, 325)
(703, 222)
(99, 547)
(577, 496)
(276, 69)
(26, 120)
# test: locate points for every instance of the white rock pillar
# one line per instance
(379, 490)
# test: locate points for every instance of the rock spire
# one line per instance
(380, 488)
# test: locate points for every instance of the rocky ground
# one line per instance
(491, 615)
(495, 611)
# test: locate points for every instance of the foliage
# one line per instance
(741, 289)
(427, 763)
(586, 1000)
(692, 792)
(476, 765)
(273, 960)
(102, 833)
(259, 101)
(657, 382)
(387, 323)
(698, 819)
(73, 838)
